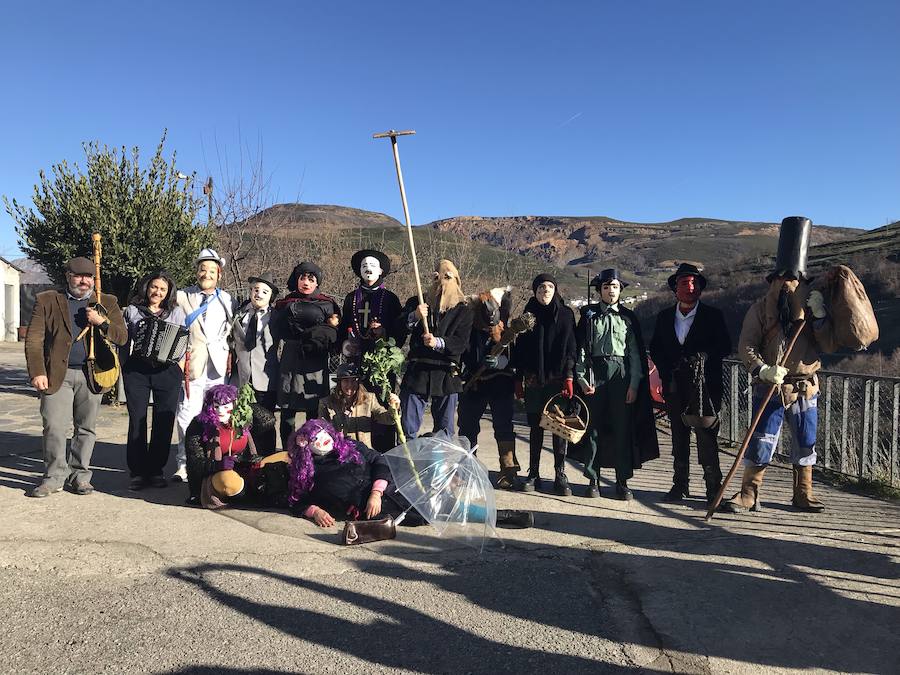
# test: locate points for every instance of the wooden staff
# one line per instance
(392, 134)
(798, 326)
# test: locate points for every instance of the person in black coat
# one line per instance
(434, 362)
(690, 340)
(306, 321)
(544, 361)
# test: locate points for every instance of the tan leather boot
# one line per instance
(803, 496)
(509, 465)
(748, 497)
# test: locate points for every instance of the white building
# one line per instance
(11, 277)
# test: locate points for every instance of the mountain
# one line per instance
(316, 217)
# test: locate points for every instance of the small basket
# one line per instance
(568, 427)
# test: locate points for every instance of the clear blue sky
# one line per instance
(646, 110)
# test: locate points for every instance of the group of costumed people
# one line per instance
(466, 354)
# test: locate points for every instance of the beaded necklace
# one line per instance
(357, 297)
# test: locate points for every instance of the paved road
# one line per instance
(135, 582)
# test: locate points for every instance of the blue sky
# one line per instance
(645, 110)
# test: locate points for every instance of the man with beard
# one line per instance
(433, 364)
(689, 342)
(307, 322)
(56, 365)
(612, 370)
(764, 335)
(544, 360)
(370, 312)
(255, 343)
(209, 311)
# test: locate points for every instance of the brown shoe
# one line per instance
(82, 487)
(748, 498)
(803, 496)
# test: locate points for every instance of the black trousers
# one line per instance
(707, 440)
(265, 440)
(141, 379)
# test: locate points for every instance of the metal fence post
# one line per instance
(845, 400)
(895, 429)
(735, 406)
(867, 425)
(827, 444)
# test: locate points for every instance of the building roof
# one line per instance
(12, 264)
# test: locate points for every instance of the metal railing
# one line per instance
(859, 420)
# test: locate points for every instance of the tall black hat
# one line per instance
(357, 259)
(687, 269)
(611, 274)
(267, 279)
(793, 244)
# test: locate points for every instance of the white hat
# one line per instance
(209, 254)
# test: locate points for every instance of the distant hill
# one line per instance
(322, 216)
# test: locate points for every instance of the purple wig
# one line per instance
(302, 470)
(220, 394)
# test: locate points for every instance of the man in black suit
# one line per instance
(689, 342)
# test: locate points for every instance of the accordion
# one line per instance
(160, 341)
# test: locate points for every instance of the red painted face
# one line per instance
(687, 290)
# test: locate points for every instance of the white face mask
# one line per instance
(322, 444)
(609, 292)
(370, 270)
(260, 295)
(545, 293)
(223, 412)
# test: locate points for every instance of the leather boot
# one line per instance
(712, 476)
(535, 447)
(748, 497)
(516, 520)
(680, 483)
(593, 490)
(561, 481)
(803, 496)
(509, 465)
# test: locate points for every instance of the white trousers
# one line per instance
(189, 407)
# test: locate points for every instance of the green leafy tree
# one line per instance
(145, 216)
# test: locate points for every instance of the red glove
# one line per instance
(568, 390)
(520, 389)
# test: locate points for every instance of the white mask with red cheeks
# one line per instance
(223, 412)
(321, 444)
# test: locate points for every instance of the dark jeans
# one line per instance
(707, 440)
(472, 405)
(412, 410)
(288, 422)
(265, 440)
(141, 379)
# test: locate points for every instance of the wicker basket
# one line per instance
(569, 427)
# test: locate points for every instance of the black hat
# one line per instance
(685, 270)
(383, 260)
(80, 265)
(304, 268)
(611, 274)
(267, 279)
(541, 278)
(347, 371)
(793, 244)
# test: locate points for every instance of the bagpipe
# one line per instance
(102, 366)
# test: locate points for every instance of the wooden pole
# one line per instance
(392, 134)
(754, 422)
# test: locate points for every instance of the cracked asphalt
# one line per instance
(125, 581)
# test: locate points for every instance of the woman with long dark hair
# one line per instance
(143, 376)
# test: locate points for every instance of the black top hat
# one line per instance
(357, 259)
(687, 269)
(611, 274)
(793, 244)
(267, 279)
(347, 371)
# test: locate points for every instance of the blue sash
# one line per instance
(200, 311)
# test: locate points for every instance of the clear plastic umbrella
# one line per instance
(443, 480)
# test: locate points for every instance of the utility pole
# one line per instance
(208, 191)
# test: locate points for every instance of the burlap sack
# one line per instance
(854, 321)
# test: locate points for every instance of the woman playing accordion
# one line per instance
(157, 339)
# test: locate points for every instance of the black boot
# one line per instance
(518, 520)
(593, 490)
(680, 483)
(561, 482)
(535, 446)
(712, 476)
(622, 491)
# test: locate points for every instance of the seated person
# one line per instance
(351, 408)
(220, 449)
